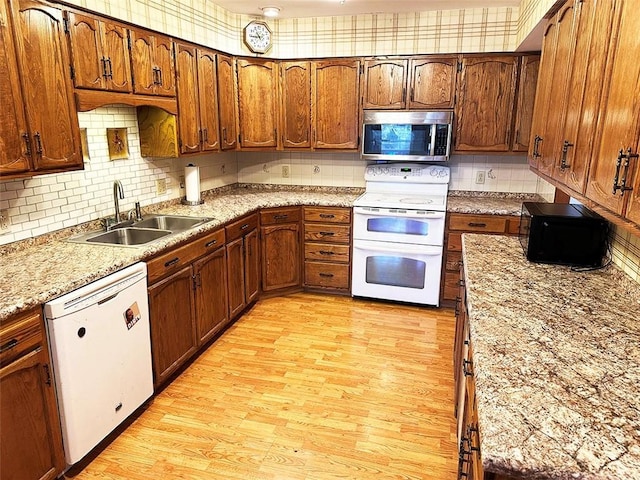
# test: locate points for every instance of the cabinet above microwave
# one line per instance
(407, 136)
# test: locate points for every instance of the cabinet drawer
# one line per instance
(478, 223)
(327, 233)
(326, 252)
(279, 215)
(326, 275)
(209, 242)
(172, 261)
(20, 335)
(241, 227)
(327, 214)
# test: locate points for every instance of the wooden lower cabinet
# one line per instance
(30, 437)
(187, 301)
(457, 224)
(327, 251)
(243, 263)
(281, 252)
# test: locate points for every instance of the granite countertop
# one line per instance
(557, 365)
(35, 271)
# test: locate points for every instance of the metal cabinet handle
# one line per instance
(328, 275)
(327, 234)
(619, 163)
(477, 224)
(244, 227)
(27, 143)
(467, 372)
(172, 262)
(109, 68)
(9, 345)
(281, 217)
(327, 215)
(36, 136)
(210, 244)
(565, 149)
(206, 134)
(536, 143)
(326, 252)
(103, 62)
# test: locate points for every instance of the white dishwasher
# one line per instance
(101, 353)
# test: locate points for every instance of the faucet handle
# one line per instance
(138, 212)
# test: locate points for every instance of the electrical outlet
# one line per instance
(5, 224)
(316, 169)
(480, 177)
(161, 186)
(286, 171)
(182, 184)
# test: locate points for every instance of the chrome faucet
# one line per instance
(117, 192)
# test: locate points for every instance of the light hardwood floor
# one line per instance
(306, 386)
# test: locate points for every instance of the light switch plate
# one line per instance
(161, 186)
(5, 224)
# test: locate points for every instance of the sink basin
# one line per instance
(128, 236)
(174, 223)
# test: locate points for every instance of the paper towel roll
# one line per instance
(192, 182)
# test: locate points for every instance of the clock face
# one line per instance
(257, 36)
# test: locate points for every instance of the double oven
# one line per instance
(398, 233)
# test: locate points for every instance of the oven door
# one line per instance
(419, 227)
(400, 272)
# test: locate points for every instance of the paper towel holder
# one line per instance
(192, 203)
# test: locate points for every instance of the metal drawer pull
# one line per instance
(326, 252)
(38, 143)
(328, 275)
(327, 215)
(477, 225)
(327, 234)
(280, 217)
(9, 345)
(244, 227)
(536, 141)
(469, 372)
(627, 158)
(27, 143)
(172, 262)
(211, 243)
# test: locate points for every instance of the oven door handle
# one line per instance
(428, 215)
(403, 248)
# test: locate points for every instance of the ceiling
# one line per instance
(330, 8)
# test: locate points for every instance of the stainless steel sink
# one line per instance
(128, 236)
(174, 223)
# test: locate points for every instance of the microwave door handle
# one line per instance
(432, 150)
(403, 249)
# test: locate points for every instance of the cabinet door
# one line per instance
(527, 82)
(173, 329)
(226, 102)
(236, 277)
(208, 99)
(619, 120)
(163, 60)
(188, 104)
(549, 147)
(295, 104)
(593, 26)
(281, 256)
(115, 47)
(43, 60)
(90, 69)
(385, 84)
(212, 313)
(336, 98)
(484, 108)
(257, 100)
(14, 137)
(142, 63)
(433, 82)
(252, 266)
(31, 443)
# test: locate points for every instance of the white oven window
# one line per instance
(405, 226)
(395, 271)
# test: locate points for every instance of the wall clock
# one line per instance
(257, 36)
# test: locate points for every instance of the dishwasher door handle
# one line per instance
(109, 298)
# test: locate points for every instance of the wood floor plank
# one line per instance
(303, 387)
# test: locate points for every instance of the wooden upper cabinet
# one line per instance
(385, 84)
(197, 99)
(14, 155)
(433, 82)
(53, 137)
(615, 156)
(295, 101)
(257, 102)
(100, 53)
(527, 81)
(226, 102)
(152, 63)
(485, 103)
(336, 102)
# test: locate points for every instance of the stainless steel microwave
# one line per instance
(415, 136)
